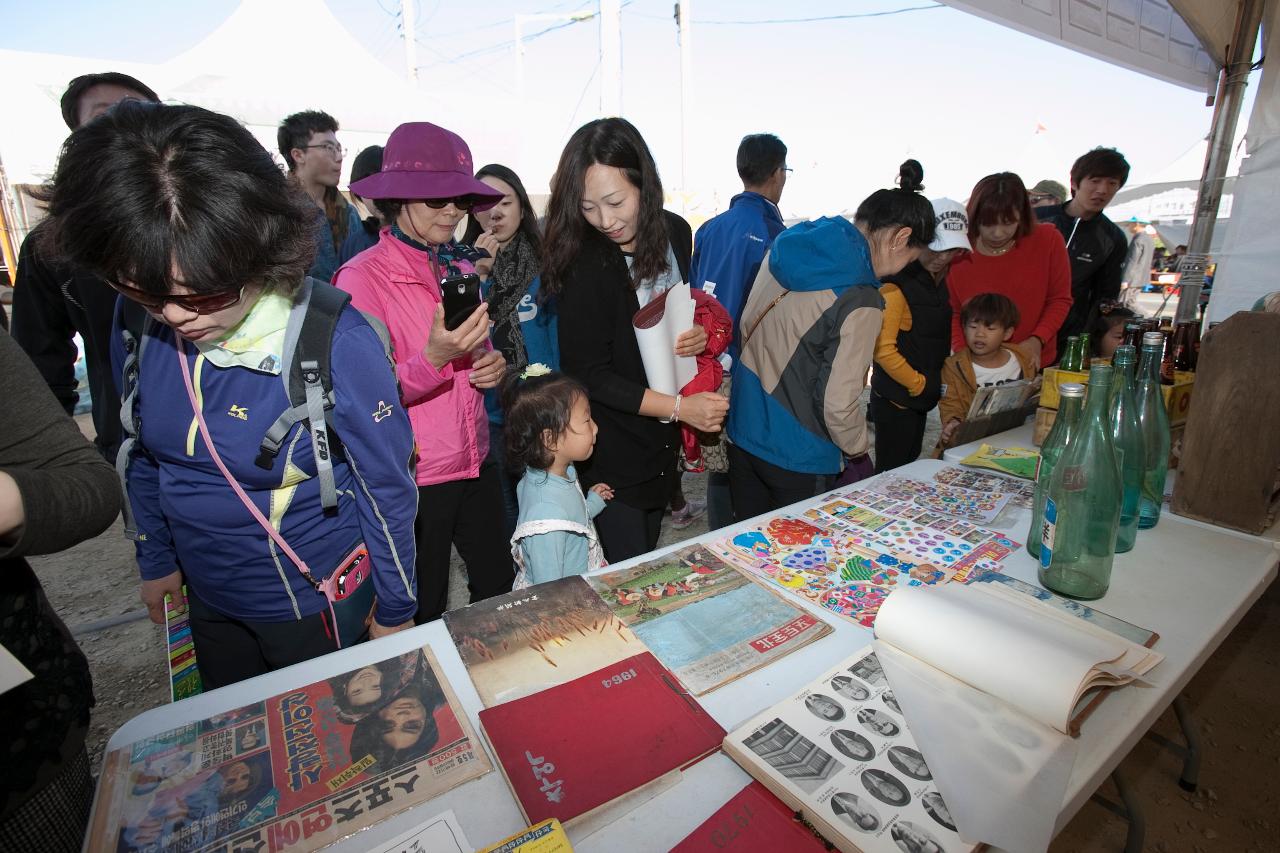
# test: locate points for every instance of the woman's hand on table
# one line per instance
(154, 591)
(488, 242)
(487, 367)
(444, 346)
(377, 630)
(705, 411)
(692, 342)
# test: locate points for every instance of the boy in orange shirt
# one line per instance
(987, 321)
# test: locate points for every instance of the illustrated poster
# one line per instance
(298, 771)
(704, 619)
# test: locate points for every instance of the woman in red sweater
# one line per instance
(1018, 258)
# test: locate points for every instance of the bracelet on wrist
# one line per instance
(675, 413)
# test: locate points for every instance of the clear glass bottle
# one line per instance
(1154, 419)
(1082, 507)
(1126, 434)
(1072, 403)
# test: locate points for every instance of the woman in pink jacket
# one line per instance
(424, 189)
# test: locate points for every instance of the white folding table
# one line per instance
(1190, 583)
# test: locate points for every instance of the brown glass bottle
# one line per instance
(1133, 330)
(1184, 354)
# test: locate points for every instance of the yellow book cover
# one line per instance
(545, 837)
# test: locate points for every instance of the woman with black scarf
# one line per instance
(524, 319)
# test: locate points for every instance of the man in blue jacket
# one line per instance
(727, 253)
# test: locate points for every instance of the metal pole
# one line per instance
(410, 23)
(1233, 78)
(610, 58)
(684, 14)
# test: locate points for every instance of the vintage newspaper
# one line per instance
(298, 771)
(703, 618)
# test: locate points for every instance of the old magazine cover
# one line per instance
(703, 618)
(534, 638)
(298, 771)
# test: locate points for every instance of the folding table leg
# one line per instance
(1129, 809)
(1191, 734)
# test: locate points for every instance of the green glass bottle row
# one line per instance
(1082, 501)
(1126, 436)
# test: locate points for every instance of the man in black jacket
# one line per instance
(1096, 245)
(52, 302)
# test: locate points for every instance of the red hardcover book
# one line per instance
(570, 749)
(754, 821)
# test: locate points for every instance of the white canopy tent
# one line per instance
(235, 70)
(1184, 42)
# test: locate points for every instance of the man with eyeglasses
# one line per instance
(52, 302)
(308, 143)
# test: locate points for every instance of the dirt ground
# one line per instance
(1235, 699)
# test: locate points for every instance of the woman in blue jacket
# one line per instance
(524, 317)
(184, 213)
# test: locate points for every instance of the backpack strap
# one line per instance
(135, 323)
(306, 372)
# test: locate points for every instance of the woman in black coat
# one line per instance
(610, 248)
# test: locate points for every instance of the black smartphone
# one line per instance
(461, 296)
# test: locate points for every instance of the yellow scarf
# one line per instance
(257, 341)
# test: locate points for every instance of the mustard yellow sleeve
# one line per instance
(897, 317)
(955, 402)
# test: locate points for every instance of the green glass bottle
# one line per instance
(1071, 354)
(1126, 434)
(1082, 507)
(1154, 419)
(1072, 402)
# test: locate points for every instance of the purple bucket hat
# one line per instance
(422, 161)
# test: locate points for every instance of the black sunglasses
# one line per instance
(462, 202)
(199, 303)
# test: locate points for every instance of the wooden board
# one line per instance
(1229, 473)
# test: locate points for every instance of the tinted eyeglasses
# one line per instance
(462, 202)
(200, 303)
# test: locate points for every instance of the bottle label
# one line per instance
(1074, 479)
(1047, 531)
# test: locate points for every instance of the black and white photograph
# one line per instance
(850, 689)
(910, 762)
(912, 838)
(793, 755)
(852, 745)
(886, 787)
(892, 702)
(938, 810)
(824, 707)
(855, 811)
(878, 722)
(869, 670)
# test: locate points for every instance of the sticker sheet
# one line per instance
(1022, 491)
(981, 507)
(834, 568)
(842, 749)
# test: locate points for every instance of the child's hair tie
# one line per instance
(535, 369)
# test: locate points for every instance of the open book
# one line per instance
(840, 753)
(1019, 650)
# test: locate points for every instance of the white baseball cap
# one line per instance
(951, 224)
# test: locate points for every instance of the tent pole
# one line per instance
(1232, 79)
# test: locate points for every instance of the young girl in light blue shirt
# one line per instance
(549, 427)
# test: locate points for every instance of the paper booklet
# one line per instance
(704, 619)
(578, 748)
(308, 767)
(534, 638)
(1015, 649)
(753, 821)
(1009, 396)
(840, 753)
(657, 326)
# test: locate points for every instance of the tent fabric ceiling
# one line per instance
(1144, 35)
